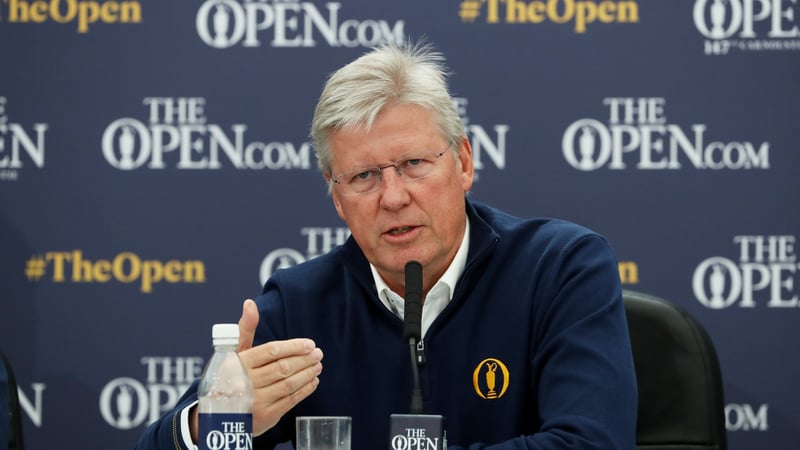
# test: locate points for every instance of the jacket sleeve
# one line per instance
(165, 433)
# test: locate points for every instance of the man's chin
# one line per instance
(395, 265)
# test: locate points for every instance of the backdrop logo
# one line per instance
(126, 267)
(176, 132)
(580, 13)
(84, 12)
(127, 402)
(766, 265)
(33, 408)
(225, 23)
(637, 131)
(485, 145)
(743, 417)
(490, 379)
(319, 240)
(15, 139)
(744, 24)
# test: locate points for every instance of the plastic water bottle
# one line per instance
(225, 394)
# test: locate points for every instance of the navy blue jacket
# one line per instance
(538, 305)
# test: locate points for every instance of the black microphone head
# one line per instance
(413, 302)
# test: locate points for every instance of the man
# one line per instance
(524, 333)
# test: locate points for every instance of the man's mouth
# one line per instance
(401, 230)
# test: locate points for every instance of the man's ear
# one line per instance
(337, 204)
(467, 166)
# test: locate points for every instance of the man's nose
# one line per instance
(390, 174)
(385, 168)
(394, 193)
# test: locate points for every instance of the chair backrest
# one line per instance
(10, 403)
(681, 404)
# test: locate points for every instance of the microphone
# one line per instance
(415, 430)
(412, 327)
(413, 307)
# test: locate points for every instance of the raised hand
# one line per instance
(282, 372)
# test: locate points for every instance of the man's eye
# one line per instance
(363, 176)
(413, 162)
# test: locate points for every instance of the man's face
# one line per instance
(420, 220)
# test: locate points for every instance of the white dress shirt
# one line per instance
(440, 294)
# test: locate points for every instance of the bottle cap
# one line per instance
(225, 333)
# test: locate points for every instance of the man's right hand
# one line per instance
(282, 372)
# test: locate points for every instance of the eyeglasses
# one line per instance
(408, 168)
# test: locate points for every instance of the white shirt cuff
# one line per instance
(186, 434)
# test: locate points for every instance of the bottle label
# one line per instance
(220, 431)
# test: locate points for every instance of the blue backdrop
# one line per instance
(155, 168)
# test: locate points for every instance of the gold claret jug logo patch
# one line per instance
(490, 379)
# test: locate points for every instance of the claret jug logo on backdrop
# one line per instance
(289, 23)
(126, 267)
(490, 379)
(637, 132)
(579, 13)
(19, 145)
(764, 272)
(748, 25)
(319, 240)
(127, 402)
(84, 12)
(177, 134)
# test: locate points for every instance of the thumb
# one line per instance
(247, 324)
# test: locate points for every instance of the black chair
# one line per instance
(14, 416)
(681, 404)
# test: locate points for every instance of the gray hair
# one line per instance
(388, 75)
